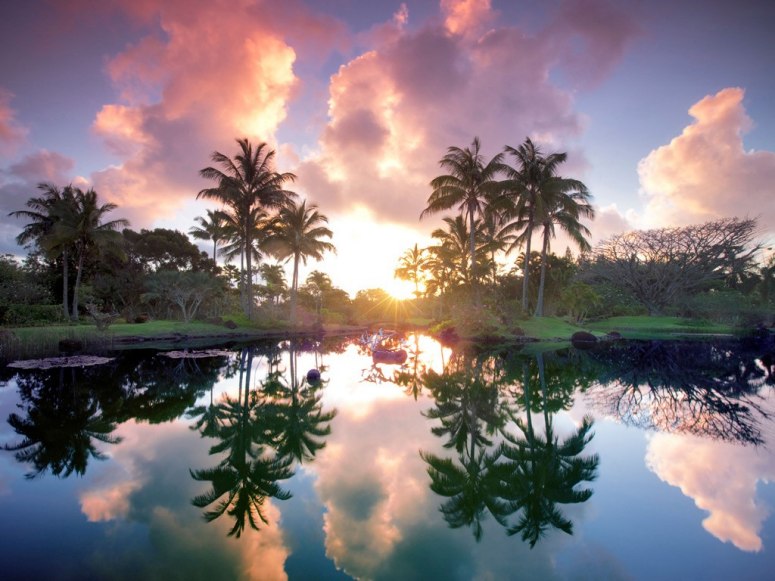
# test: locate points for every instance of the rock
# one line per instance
(230, 324)
(613, 336)
(583, 340)
(313, 375)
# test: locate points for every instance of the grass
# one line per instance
(657, 327)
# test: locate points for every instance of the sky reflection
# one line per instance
(362, 505)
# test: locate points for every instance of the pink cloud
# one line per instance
(721, 478)
(12, 134)
(706, 173)
(394, 110)
(189, 88)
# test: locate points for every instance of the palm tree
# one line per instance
(247, 184)
(524, 188)
(569, 201)
(274, 281)
(42, 216)
(470, 185)
(297, 234)
(319, 283)
(410, 267)
(212, 227)
(81, 225)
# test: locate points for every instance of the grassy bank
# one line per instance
(29, 342)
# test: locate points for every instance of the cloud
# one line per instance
(395, 109)
(706, 173)
(12, 133)
(721, 478)
(188, 88)
(19, 182)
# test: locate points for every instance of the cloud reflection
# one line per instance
(721, 478)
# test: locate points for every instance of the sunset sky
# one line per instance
(665, 107)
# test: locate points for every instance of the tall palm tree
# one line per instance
(410, 267)
(297, 234)
(42, 215)
(247, 183)
(524, 188)
(83, 226)
(569, 201)
(470, 185)
(212, 227)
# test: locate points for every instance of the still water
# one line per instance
(634, 460)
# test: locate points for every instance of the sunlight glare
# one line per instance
(400, 289)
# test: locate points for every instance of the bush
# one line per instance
(32, 315)
(727, 307)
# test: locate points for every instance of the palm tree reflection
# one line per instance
(64, 420)
(526, 474)
(262, 434)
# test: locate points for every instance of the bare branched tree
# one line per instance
(658, 267)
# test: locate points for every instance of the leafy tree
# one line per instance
(297, 235)
(410, 267)
(213, 227)
(569, 202)
(187, 290)
(247, 185)
(43, 213)
(528, 190)
(470, 185)
(82, 226)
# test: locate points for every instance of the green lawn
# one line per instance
(649, 327)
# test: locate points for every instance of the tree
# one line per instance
(297, 235)
(470, 185)
(659, 267)
(410, 267)
(525, 191)
(569, 202)
(246, 185)
(81, 224)
(274, 282)
(212, 227)
(187, 290)
(43, 213)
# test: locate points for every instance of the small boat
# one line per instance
(397, 356)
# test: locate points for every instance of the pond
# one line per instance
(631, 460)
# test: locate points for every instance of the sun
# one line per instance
(400, 289)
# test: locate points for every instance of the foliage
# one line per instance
(30, 315)
(662, 267)
(248, 186)
(579, 298)
(186, 290)
(725, 306)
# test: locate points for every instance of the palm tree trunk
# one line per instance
(78, 271)
(215, 247)
(249, 285)
(65, 276)
(526, 266)
(542, 284)
(472, 245)
(294, 287)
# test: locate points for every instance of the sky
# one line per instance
(666, 108)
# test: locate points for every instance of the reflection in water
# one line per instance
(262, 434)
(495, 440)
(63, 421)
(526, 474)
(705, 389)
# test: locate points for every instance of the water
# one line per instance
(153, 467)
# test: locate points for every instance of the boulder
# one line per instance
(583, 340)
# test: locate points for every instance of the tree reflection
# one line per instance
(64, 421)
(261, 434)
(297, 422)
(545, 470)
(527, 474)
(704, 389)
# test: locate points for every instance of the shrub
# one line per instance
(32, 315)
